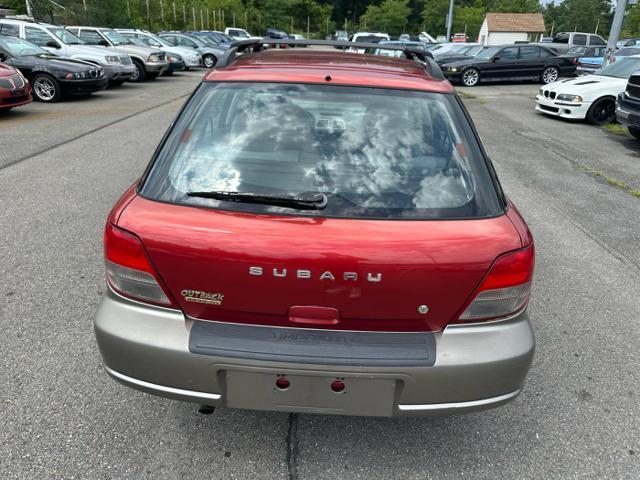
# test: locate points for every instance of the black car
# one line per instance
(628, 106)
(510, 62)
(51, 76)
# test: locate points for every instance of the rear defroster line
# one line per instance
(89, 132)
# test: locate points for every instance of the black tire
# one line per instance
(550, 74)
(635, 132)
(168, 73)
(209, 61)
(140, 75)
(602, 111)
(45, 88)
(116, 83)
(470, 77)
(152, 76)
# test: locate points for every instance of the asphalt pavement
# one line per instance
(63, 166)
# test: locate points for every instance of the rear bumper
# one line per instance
(475, 367)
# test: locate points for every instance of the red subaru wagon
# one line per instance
(320, 232)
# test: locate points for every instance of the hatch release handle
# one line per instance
(312, 315)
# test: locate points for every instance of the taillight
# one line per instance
(506, 288)
(128, 269)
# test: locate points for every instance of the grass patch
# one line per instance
(614, 182)
(616, 129)
(483, 101)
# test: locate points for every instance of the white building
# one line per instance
(503, 28)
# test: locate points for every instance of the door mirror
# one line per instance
(103, 43)
(52, 44)
(496, 59)
(3, 57)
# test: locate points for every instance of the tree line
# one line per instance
(320, 18)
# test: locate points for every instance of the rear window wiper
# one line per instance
(317, 201)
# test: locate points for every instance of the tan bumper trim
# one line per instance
(459, 405)
(162, 388)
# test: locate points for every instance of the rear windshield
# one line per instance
(375, 153)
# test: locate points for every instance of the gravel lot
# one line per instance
(63, 166)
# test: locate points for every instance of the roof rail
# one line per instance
(252, 46)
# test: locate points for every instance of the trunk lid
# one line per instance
(335, 273)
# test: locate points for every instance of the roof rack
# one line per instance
(241, 47)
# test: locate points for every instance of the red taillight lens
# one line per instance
(128, 269)
(506, 288)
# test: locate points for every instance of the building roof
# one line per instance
(321, 66)
(515, 22)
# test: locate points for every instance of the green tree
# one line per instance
(579, 15)
(390, 16)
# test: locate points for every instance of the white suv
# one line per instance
(239, 34)
(117, 66)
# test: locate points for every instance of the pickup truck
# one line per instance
(563, 41)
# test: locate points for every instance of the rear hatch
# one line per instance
(372, 274)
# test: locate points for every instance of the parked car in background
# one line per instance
(625, 52)
(587, 65)
(459, 38)
(563, 41)
(369, 37)
(190, 57)
(404, 37)
(444, 49)
(389, 273)
(15, 90)
(341, 36)
(276, 34)
(630, 42)
(51, 77)
(508, 63)
(577, 52)
(239, 34)
(216, 39)
(628, 104)
(546, 40)
(117, 67)
(586, 59)
(149, 62)
(426, 38)
(395, 43)
(210, 53)
(465, 53)
(590, 97)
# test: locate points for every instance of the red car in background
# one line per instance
(14, 88)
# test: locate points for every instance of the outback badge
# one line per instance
(197, 296)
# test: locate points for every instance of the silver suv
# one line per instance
(149, 62)
(192, 59)
(117, 66)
